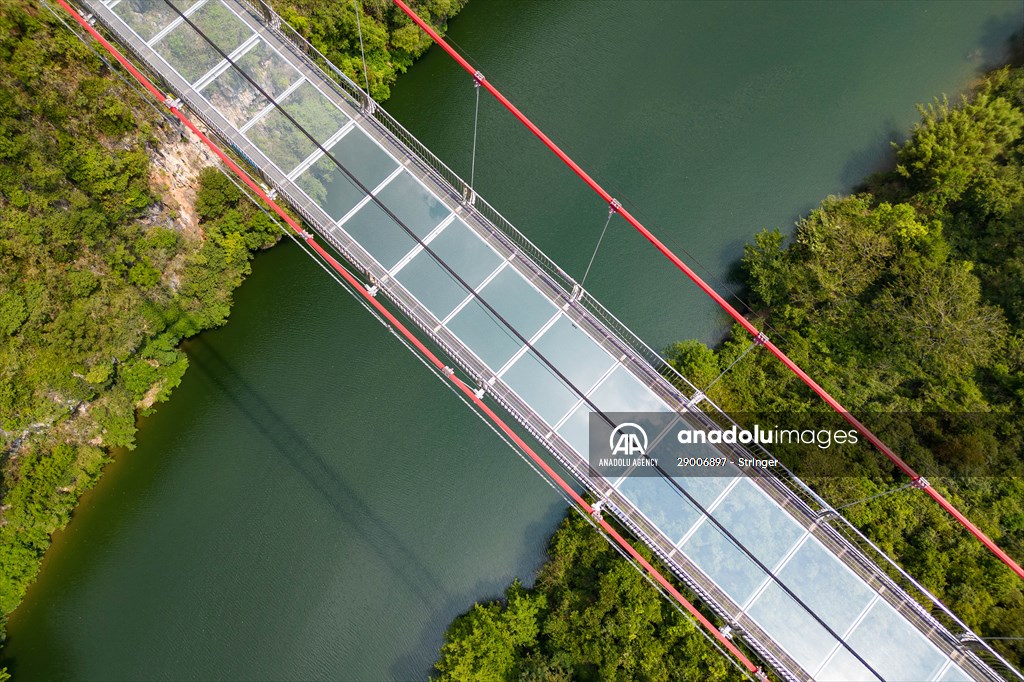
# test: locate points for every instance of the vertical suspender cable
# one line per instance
(611, 212)
(754, 344)
(476, 119)
(359, 27)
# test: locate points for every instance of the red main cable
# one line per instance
(735, 314)
(427, 353)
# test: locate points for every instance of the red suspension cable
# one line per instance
(735, 314)
(426, 352)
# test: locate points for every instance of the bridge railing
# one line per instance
(925, 604)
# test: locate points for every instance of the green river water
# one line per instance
(312, 503)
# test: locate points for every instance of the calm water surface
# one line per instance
(312, 503)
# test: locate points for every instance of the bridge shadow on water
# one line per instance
(316, 471)
(416, 575)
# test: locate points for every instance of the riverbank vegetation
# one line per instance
(590, 616)
(906, 298)
(115, 244)
(390, 40)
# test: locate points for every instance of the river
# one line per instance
(312, 503)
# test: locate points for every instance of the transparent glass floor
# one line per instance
(489, 303)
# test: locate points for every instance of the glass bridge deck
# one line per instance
(484, 273)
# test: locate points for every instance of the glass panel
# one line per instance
(490, 339)
(826, 586)
(284, 143)
(844, 667)
(335, 193)
(660, 502)
(525, 308)
(954, 674)
(704, 489)
(576, 430)
(381, 236)
(432, 284)
(238, 99)
(792, 626)
(280, 141)
(759, 524)
(723, 562)
(538, 385)
(221, 26)
(465, 253)
(574, 353)
(147, 18)
(363, 158)
(271, 71)
(332, 189)
(188, 52)
(894, 647)
(622, 392)
(415, 206)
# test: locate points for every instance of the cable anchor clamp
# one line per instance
(726, 631)
(968, 637)
(760, 675)
(614, 206)
(448, 371)
(272, 194)
(373, 290)
(695, 399)
(90, 19)
(478, 78)
(577, 292)
(826, 514)
(172, 103)
(920, 483)
(761, 338)
(596, 508)
(305, 235)
(479, 393)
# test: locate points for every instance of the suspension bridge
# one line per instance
(526, 346)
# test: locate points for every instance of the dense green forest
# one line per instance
(590, 616)
(390, 40)
(102, 273)
(907, 299)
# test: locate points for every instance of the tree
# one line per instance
(591, 616)
(937, 320)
